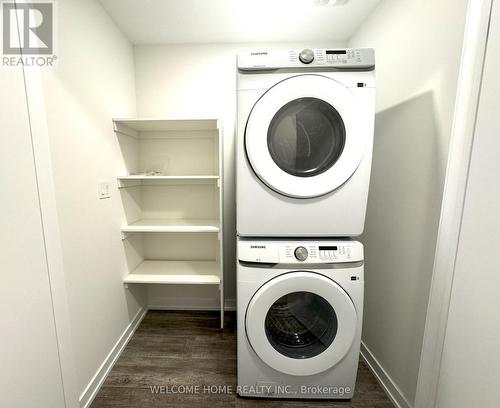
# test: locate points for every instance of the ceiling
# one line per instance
(236, 21)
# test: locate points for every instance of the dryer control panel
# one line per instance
(299, 251)
(341, 59)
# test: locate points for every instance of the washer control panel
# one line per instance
(300, 251)
(345, 58)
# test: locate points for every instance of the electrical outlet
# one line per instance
(103, 189)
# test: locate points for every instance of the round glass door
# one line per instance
(306, 137)
(301, 325)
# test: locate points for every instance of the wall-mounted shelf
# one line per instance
(176, 272)
(176, 214)
(160, 128)
(181, 225)
(139, 180)
(168, 177)
(165, 125)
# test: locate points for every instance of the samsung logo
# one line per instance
(258, 246)
(258, 53)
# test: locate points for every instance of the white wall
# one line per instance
(30, 374)
(198, 81)
(418, 47)
(470, 370)
(93, 82)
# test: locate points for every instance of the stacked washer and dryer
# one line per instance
(304, 148)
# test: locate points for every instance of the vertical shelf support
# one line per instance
(220, 185)
(221, 291)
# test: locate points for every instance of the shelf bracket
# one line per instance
(125, 284)
(123, 235)
(219, 236)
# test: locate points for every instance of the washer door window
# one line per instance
(301, 323)
(302, 137)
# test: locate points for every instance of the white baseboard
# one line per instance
(95, 384)
(391, 389)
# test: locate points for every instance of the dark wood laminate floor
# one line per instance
(188, 348)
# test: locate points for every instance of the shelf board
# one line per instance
(139, 177)
(140, 180)
(173, 225)
(176, 272)
(161, 125)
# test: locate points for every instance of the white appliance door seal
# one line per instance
(291, 283)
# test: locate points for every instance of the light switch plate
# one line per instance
(103, 189)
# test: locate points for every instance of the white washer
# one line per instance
(304, 141)
(300, 307)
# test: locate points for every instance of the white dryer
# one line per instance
(300, 307)
(304, 141)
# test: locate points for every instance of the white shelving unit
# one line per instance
(172, 184)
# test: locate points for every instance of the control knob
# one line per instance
(306, 56)
(301, 253)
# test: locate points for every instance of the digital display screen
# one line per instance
(336, 52)
(328, 248)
